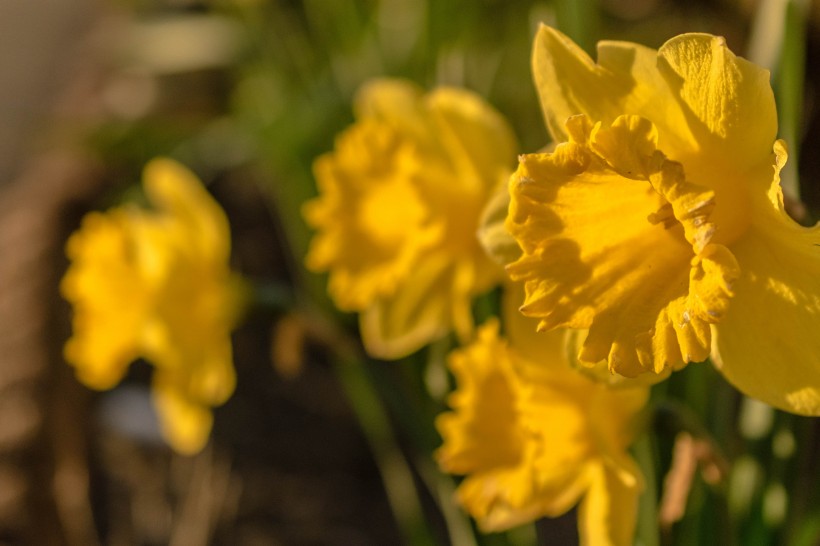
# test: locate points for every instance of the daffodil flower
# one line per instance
(155, 284)
(535, 437)
(400, 198)
(658, 220)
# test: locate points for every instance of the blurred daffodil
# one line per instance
(400, 198)
(534, 437)
(156, 284)
(658, 221)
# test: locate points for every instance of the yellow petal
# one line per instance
(600, 372)
(729, 101)
(608, 415)
(109, 298)
(191, 323)
(199, 300)
(207, 365)
(180, 196)
(497, 242)
(550, 353)
(396, 103)
(480, 433)
(527, 433)
(625, 80)
(617, 241)
(398, 210)
(519, 466)
(768, 344)
(579, 420)
(156, 284)
(480, 151)
(480, 142)
(185, 424)
(608, 512)
(552, 356)
(420, 310)
(373, 221)
(543, 349)
(499, 501)
(510, 496)
(616, 417)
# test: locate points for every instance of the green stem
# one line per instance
(443, 489)
(647, 532)
(353, 371)
(790, 76)
(394, 468)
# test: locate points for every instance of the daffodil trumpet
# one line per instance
(658, 223)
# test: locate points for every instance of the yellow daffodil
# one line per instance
(400, 198)
(658, 221)
(534, 437)
(155, 284)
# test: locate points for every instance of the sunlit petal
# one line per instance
(615, 240)
(608, 513)
(727, 100)
(625, 80)
(767, 345)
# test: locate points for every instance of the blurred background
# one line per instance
(247, 93)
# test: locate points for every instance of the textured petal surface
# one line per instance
(706, 102)
(625, 80)
(551, 352)
(714, 111)
(610, 230)
(768, 344)
(728, 101)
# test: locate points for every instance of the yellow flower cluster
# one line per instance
(652, 235)
(155, 284)
(399, 205)
(401, 202)
(654, 231)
